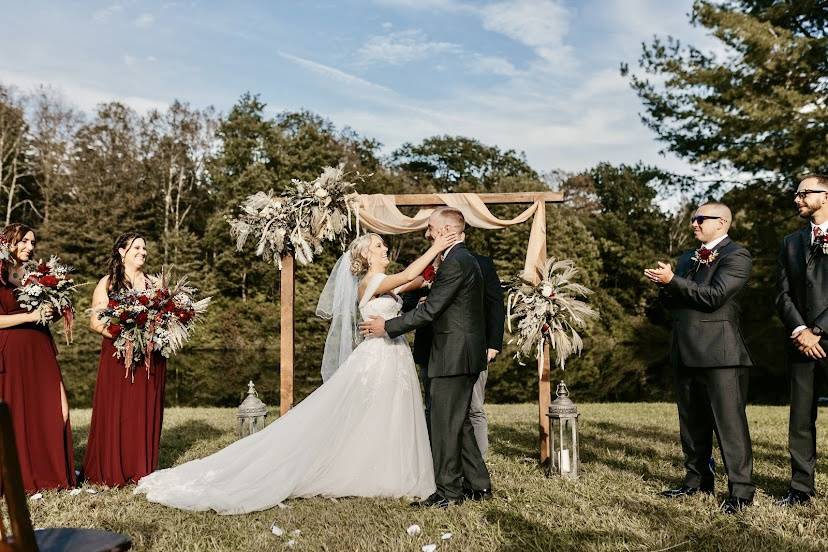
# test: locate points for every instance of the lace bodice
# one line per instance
(387, 306)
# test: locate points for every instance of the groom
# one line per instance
(455, 310)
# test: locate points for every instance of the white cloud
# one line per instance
(145, 20)
(403, 47)
(387, 25)
(105, 14)
(539, 24)
(86, 97)
(492, 65)
(336, 74)
(421, 4)
(129, 60)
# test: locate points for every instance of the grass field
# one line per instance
(630, 452)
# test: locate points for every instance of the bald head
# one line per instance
(711, 221)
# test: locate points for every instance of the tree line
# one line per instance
(176, 175)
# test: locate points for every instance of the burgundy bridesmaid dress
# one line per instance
(30, 382)
(127, 412)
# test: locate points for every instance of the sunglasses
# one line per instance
(699, 219)
(804, 193)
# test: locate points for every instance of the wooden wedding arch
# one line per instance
(536, 257)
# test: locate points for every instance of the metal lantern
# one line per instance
(252, 413)
(563, 434)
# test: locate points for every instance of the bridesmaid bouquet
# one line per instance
(176, 312)
(51, 284)
(126, 316)
(159, 319)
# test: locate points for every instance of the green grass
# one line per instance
(630, 452)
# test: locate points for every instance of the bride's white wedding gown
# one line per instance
(362, 433)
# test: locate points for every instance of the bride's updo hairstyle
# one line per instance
(359, 255)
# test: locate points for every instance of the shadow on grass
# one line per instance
(512, 442)
(179, 439)
(522, 534)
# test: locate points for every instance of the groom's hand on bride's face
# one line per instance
(374, 326)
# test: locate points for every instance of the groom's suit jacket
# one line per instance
(495, 312)
(455, 310)
(802, 287)
(702, 302)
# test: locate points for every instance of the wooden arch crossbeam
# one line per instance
(287, 296)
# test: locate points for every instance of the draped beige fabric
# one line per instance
(379, 213)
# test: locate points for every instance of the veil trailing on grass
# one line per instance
(339, 304)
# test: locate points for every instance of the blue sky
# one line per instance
(539, 76)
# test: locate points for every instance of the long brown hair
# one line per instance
(117, 271)
(14, 234)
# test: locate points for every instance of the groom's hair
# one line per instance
(452, 216)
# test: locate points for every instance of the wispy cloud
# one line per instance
(335, 74)
(491, 65)
(105, 14)
(403, 47)
(539, 24)
(145, 20)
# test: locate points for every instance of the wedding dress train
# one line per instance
(362, 433)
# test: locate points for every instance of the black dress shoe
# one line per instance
(734, 504)
(436, 501)
(477, 494)
(794, 498)
(684, 490)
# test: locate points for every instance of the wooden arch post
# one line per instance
(287, 291)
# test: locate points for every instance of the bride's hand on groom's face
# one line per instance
(445, 239)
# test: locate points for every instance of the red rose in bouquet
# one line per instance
(48, 287)
(429, 274)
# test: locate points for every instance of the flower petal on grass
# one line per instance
(75, 492)
(276, 530)
(291, 543)
(36, 496)
(296, 532)
(91, 491)
(446, 536)
(429, 547)
(413, 530)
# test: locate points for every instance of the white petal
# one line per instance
(414, 530)
(446, 536)
(36, 496)
(75, 492)
(291, 543)
(429, 547)
(276, 530)
(91, 491)
(296, 532)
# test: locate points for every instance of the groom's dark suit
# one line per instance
(455, 310)
(802, 300)
(710, 361)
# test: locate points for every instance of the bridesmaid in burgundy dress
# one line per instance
(31, 382)
(126, 411)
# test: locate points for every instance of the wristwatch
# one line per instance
(816, 330)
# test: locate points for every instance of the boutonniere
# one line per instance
(821, 244)
(429, 274)
(705, 256)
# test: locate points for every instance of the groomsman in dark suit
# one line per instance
(709, 358)
(802, 303)
(495, 316)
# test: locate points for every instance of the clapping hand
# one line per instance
(662, 275)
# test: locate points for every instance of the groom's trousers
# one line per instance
(712, 401)
(477, 414)
(453, 445)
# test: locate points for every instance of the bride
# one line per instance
(362, 433)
